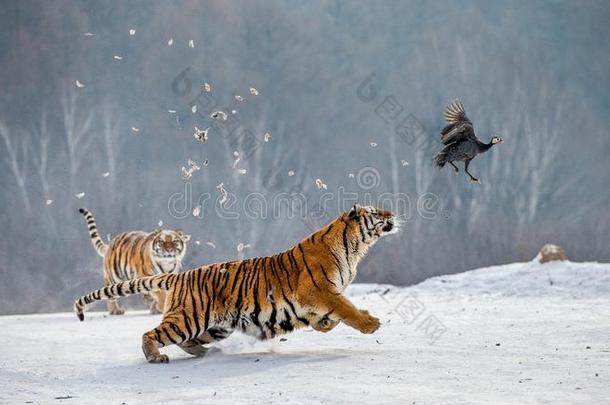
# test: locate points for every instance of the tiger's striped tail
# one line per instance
(135, 286)
(98, 243)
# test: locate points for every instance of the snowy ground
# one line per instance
(521, 333)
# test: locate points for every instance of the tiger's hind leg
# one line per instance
(196, 346)
(155, 302)
(170, 331)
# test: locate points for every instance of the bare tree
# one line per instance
(18, 158)
(41, 159)
(111, 138)
(77, 131)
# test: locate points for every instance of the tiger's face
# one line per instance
(368, 223)
(169, 245)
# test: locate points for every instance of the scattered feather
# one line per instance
(351, 175)
(267, 136)
(242, 171)
(134, 129)
(404, 163)
(236, 159)
(197, 243)
(160, 223)
(207, 87)
(211, 244)
(290, 173)
(191, 44)
(373, 144)
(239, 98)
(194, 108)
(193, 165)
(233, 112)
(171, 111)
(219, 115)
(253, 91)
(88, 34)
(80, 85)
(242, 246)
(132, 32)
(205, 163)
(80, 195)
(106, 174)
(223, 270)
(223, 193)
(170, 42)
(196, 211)
(117, 57)
(320, 184)
(186, 174)
(201, 134)
(48, 202)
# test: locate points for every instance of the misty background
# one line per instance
(352, 94)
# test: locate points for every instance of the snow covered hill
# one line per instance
(519, 333)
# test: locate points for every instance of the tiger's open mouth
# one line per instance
(391, 226)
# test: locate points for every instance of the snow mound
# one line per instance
(531, 279)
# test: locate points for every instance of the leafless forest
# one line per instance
(350, 93)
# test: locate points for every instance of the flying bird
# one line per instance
(460, 142)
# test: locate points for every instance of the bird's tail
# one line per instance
(135, 286)
(440, 159)
(98, 244)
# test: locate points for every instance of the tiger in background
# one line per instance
(264, 296)
(138, 254)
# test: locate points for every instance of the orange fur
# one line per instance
(264, 296)
(138, 254)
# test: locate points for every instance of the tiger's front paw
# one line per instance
(368, 323)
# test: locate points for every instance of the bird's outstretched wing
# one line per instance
(455, 113)
(459, 126)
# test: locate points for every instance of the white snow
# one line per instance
(519, 333)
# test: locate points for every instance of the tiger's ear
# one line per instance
(183, 236)
(354, 212)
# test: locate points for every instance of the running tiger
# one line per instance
(264, 296)
(138, 254)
